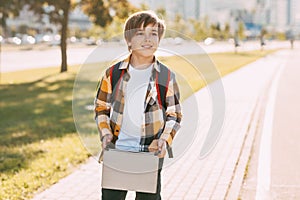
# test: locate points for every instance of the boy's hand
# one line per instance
(162, 146)
(106, 139)
(153, 146)
(159, 147)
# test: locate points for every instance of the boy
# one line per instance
(131, 114)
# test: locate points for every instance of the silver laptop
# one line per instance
(135, 171)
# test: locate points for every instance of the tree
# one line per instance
(97, 11)
(101, 13)
(179, 26)
(122, 8)
(199, 29)
(9, 8)
(113, 13)
(161, 12)
(58, 13)
(241, 30)
(144, 6)
(226, 31)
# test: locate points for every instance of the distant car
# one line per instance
(54, 40)
(178, 40)
(14, 40)
(90, 41)
(39, 38)
(28, 39)
(209, 41)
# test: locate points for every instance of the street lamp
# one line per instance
(236, 34)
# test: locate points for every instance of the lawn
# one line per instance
(39, 141)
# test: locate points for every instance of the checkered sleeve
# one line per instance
(173, 112)
(103, 105)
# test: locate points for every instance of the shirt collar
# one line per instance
(125, 63)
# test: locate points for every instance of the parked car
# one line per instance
(209, 41)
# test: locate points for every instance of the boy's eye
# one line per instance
(154, 33)
(140, 33)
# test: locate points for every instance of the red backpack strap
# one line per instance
(162, 83)
(111, 75)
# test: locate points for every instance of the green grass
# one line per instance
(39, 143)
(196, 71)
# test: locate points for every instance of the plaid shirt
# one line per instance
(109, 106)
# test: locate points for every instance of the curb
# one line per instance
(237, 178)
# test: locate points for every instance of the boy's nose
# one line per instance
(147, 36)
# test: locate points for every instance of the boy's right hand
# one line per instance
(106, 140)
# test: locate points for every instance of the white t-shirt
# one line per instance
(131, 129)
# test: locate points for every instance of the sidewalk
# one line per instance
(217, 176)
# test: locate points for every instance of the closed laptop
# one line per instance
(135, 171)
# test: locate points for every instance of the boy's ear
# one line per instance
(129, 45)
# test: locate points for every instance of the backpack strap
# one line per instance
(115, 75)
(162, 83)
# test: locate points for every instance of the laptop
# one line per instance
(133, 171)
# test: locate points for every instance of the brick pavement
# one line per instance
(219, 174)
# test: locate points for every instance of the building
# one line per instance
(278, 15)
(28, 20)
(192, 9)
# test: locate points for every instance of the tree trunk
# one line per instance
(63, 41)
(4, 25)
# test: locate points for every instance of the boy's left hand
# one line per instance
(162, 146)
(159, 147)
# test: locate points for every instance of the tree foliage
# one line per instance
(200, 31)
(162, 13)
(58, 13)
(122, 8)
(241, 30)
(97, 11)
(101, 13)
(9, 8)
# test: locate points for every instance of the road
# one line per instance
(28, 59)
(273, 170)
(285, 149)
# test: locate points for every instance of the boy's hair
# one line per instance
(142, 18)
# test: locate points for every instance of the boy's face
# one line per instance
(145, 41)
